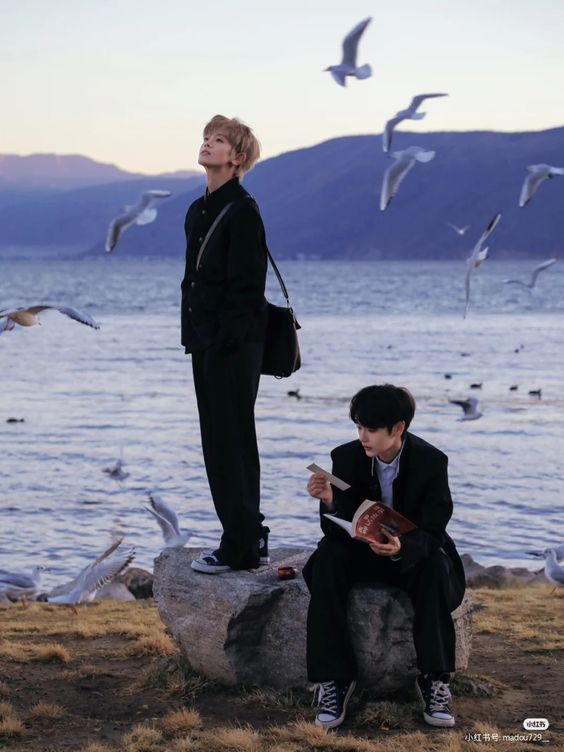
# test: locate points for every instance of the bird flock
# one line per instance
(405, 160)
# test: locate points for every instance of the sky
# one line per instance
(133, 82)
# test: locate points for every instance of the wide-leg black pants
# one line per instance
(226, 385)
(336, 566)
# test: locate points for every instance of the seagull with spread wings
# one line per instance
(459, 230)
(140, 214)
(9, 317)
(479, 255)
(534, 274)
(410, 113)
(538, 173)
(348, 66)
(94, 576)
(404, 161)
(168, 522)
(470, 408)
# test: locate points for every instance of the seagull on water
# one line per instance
(348, 66)
(9, 317)
(404, 161)
(94, 576)
(459, 230)
(18, 585)
(410, 113)
(470, 407)
(116, 470)
(478, 256)
(538, 173)
(140, 214)
(168, 522)
(534, 274)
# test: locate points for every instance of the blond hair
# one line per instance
(241, 138)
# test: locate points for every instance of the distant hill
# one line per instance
(64, 171)
(323, 202)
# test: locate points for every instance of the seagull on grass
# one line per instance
(553, 571)
(348, 66)
(534, 274)
(168, 522)
(18, 585)
(94, 576)
(478, 256)
(140, 214)
(404, 162)
(410, 113)
(9, 317)
(537, 174)
(470, 407)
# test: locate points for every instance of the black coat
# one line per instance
(421, 493)
(223, 300)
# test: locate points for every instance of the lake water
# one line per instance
(88, 396)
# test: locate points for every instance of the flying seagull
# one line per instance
(95, 575)
(404, 161)
(478, 255)
(17, 585)
(168, 522)
(537, 174)
(410, 113)
(348, 67)
(140, 214)
(459, 230)
(9, 317)
(534, 274)
(470, 407)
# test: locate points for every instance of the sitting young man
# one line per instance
(388, 464)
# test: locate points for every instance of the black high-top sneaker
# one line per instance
(333, 697)
(264, 557)
(435, 696)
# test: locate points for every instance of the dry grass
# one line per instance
(528, 616)
(273, 699)
(95, 747)
(46, 711)
(308, 736)
(181, 722)
(23, 653)
(142, 738)
(236, 739)
(386, 715)
(11, 727)
(160, 644)
(6, 708)
(4, 689)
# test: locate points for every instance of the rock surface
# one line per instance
(249, 627)
(498, 576)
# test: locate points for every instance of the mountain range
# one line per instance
(323, 201)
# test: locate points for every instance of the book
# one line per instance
(369, 520)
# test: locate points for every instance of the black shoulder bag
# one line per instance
(281, 355)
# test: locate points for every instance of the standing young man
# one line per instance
(223, 326)
(389, 464)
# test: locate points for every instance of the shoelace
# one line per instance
(439, 697)
(325, 696)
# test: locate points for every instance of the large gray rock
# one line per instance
(498, 576)
(249, 627)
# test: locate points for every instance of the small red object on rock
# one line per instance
(287, 573)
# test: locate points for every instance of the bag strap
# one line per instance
(211, 231)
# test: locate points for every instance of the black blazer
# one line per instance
(421, 493)
(223, 299)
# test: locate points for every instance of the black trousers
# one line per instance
(226, 385)
(331, 572)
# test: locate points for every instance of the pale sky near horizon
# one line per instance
(133, 81)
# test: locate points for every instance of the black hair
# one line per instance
(382, 406)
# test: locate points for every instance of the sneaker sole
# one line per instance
(264, 560)
(207, 569)
(337, 721)
(429, 719)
